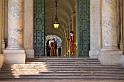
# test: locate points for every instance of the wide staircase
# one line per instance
(62, 70)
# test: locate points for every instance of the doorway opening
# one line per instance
(73, 16)
(53, 46)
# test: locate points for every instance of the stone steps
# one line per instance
(68, 73)
(62, 60)
(96, 77)
(58, 80)
(63, 68)
(62, 65)
(54, 71)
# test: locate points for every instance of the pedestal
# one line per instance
(14, 56)
(29, 53)
(110, 57)
(122, 60)
(94, 53)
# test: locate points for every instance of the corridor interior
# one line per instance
(66, 40)
(61, 41)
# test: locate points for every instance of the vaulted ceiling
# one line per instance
(65, 10)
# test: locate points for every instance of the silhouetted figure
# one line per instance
(52, 49)
(55, 42)
(59, 51)
(48, 48)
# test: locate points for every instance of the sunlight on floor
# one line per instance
(28, 69)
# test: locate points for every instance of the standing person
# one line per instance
(48, 48)
(55, 42)
(52, 48)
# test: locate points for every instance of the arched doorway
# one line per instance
(53, 42)
(43, 24)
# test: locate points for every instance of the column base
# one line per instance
(3, 44)
(14, 56)
(122, 47)
(122, 60)
(108, 57)
(94, 53)
(29, 53)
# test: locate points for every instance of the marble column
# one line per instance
(14, 52)
(110, 53)
(28, 30)
(95, 28)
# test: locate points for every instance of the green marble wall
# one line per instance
(83, 27)
(38, 36)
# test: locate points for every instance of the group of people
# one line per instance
(51, 47)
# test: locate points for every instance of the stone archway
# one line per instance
(58, 41)
(83, 27)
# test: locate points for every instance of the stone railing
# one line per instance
(1, 60)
